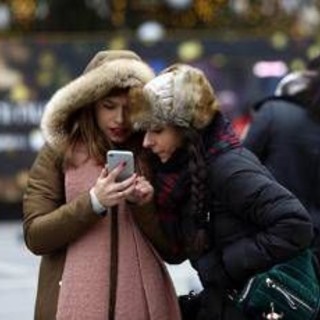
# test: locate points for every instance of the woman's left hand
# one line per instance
(143, 192)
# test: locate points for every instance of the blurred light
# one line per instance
(263, 69)
(100, 6)
(36, 140)
(42, 10)
(118, 14)
(9, 77)
(190, 50)
(179, 4)
(23, 11)
(313, 51)
(279, 40)
(19, 93)
(297, 64)
(308, 20)
(5, 18)
(118, 43)
(150, 32)
(290, 6)
(239, 6)
(228, 100)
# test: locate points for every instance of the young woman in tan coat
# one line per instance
(97, 237)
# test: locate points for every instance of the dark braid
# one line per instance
(198, 173)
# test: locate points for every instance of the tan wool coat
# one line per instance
(50, 223)
(49, 238)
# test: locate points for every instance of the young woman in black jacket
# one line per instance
(219, 206)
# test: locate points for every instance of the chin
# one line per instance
(119, 139)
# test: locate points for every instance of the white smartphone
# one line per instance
(115, 157)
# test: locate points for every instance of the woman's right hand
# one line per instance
(108, 191)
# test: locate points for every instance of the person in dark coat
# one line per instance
(285, 135)
(216, 202)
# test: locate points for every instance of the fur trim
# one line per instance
(106, 71)
(180, 95)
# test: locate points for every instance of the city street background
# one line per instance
(18, 274)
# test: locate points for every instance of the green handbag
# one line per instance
(289, 290)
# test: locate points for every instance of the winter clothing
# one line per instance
(287, 141)
(294, 82)
(181, 95)
(49, 228)
(60, 224)
(107, 70)
(147, 291)
(254, 221)
(172, 181)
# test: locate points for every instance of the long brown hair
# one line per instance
(83, 130)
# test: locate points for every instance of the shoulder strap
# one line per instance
(113, 262)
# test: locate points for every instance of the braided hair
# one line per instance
(199, 191)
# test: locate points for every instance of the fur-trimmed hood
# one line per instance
(180, 95)
(106, 71)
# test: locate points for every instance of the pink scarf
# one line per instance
(144, 288)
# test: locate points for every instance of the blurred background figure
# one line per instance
(285, 135)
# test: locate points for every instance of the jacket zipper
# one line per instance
(291, 298)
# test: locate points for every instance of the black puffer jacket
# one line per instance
(255, 223)
(286, 139)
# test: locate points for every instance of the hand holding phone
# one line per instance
(116, 157)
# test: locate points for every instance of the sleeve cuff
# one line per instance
(97, 207)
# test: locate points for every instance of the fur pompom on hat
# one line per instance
(181, 95)
(106, 71)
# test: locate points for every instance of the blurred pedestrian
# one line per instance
(208, 186)
(285, 135)
(91, 230)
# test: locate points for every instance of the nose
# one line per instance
(121, 115)
(147, 141)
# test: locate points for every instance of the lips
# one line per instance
(118, 131)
